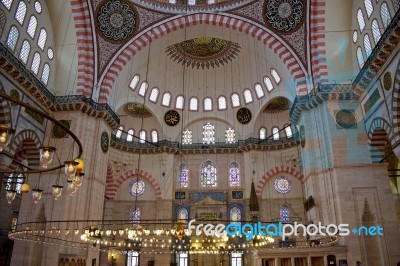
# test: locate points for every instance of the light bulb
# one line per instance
(10, 195)
(36, 195)
(3, 137)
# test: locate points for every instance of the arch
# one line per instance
(25, 147)
(273, 172)
(379, 134)
(85, 47)
(5, 109)
(396, 107)
(225, 20)
(112, 188)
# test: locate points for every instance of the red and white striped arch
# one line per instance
(274, 172)
(25, 147)
(113, 187)
(224, 20)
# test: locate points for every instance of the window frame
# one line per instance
(15, 41)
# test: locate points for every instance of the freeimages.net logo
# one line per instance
(280, 229)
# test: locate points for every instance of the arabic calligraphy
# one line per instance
(171, 118)
(243, 115)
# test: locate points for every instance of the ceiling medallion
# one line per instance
(243, 115)
(172, 118)
(204, 52)
(137, 110)
(116, 20)
(345, 119)
(284, 15)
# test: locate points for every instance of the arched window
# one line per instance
(235, 100)
(25, 50)
(360, 19)
(385, 15)
(191, 2)
(12, 37)
(263, 133)
(180, 101)
(135, 215)
(230, 136)
(221, 103)
(21, 12)
(268, 84)
(275, 75)
(368, 7)
(7, 3)
(208, 104)
(234, 175)
(360, 57)
(210, 2)
(38, 6)
(275, 132)
(288, 131)
(285, 213)
(46, 73)
(193, 104)
(367, 45)
(130, 135)
(259, 91)
(35, 63)
(50, 53)
(154, 136)
(235, 214)
(187, 137)
(154, 95)
(42, 39)
(183, 176)
(248, 98)
(15, 182)
(143, 88)
(142, 136)
(355, 36)
(172, 1)
(31, 30)
(182, 214)
(208, 133)
(119, 132)
(166, 100)
(376, 31)
(134, 82)
(208, 174)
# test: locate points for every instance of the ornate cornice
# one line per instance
(20, 74)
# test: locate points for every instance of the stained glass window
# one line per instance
(179, 102)
(282, 184)
(182, 214)
(166, 100)
(137, 187)
(7, 3)
(259, 91)
(360, 57)
(31, 30)
(230, 136)
(235, 214)
(12, 37)
(42, 39)
(15, 183)
(368, 7)
(25, 50)
(143, 88)
(187, 137)
(193, 104)
(119, 132)
(288, 131)
(235, 100)
(35, 63)
(248, 98)
(154, 95)
(385, 15)
(38, 7)
(134, 82)
(376, 31)
(135, 215)
(207, 104)
(360, 19)
(285, 213)
(208, 134)
(221, 103)
(183, 181)
(142, 136)
(263, 133)
(208, 174)
(367, 45)
(275, 132)
(21, 12)
(129, 137)
(45, 73)
(154, 136)
(234, 175)
(268, 84)
(275, 75)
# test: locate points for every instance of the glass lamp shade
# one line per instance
(57, 191)
(46, 155)
(10, 195)
(5, 136)
(37, 195)
(25, 188)
(81, 164)
(78, 179)
(72, 188)
(70, 168)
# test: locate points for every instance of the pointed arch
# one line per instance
(379, 134)
(275, 171)
(112, 188)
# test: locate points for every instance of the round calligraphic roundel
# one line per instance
(243, 115)
(116, 20)
(345, 119)
(104, 142)
(387, 81)
(282, 184)
(284, 15)
(172, 118)
(58, 132)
